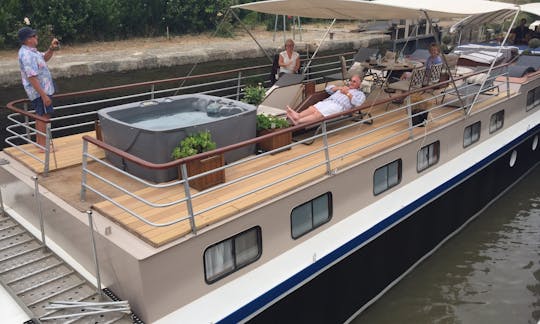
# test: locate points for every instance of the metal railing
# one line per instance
(330, 157)
(79, 113)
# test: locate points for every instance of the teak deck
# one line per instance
(69, 151)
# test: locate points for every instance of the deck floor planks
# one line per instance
(69, 151)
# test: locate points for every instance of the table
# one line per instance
(388, 69)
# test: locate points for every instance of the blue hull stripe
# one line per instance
(353, 244)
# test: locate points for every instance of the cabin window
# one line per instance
(471, 134)
(497, 121)
(311, 215)
(386, 177)
(226, 257)
(533, 98)
(427, 156)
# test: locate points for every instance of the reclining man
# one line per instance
(342, 98)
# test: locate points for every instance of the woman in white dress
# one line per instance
(289, 60)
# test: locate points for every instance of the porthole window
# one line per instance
(513, 158)
(535, 143)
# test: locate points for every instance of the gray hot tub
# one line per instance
(151, 129)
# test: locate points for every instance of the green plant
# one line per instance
(271, 122)
(194, 144)
(254, 94)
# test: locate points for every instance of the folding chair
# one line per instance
(416, 81)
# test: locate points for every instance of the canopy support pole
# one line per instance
(318, 47)
(493, 63)
(251, 35)
(435, 34)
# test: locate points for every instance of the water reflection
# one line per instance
(488, 273)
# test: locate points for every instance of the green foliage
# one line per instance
(271, 122)
(194, 144)
(534, 43)
(90, 20)
(254, 94)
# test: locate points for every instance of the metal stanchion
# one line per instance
(1, 204)
(94, 250)
(40, 211)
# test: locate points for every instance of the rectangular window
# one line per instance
(386, 177)
(496, 122)
(226, 257)
(427, 156)
(310, 215)
(533, 98)
(471, 134)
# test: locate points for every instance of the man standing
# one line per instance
(36, 77)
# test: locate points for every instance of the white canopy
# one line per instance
(480, 19)
(378, 9)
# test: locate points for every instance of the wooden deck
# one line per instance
(69, 151)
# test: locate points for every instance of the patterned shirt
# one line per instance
(358, 98)
(32, 64)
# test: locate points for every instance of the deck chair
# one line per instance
(523, 65)
(342, 75)
(472, 85)
(319, 96)
(416, 81)
(434, 74)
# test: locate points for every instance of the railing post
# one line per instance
(40, 211)
(409, 113)
(189, 203)
(507, 82)
(46, 164)
(26, 121)
(326, 151)
(94, 251)
(2, 210)
(83, 175)
(152, 89)
(238, 84)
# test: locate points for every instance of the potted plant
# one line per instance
(195, 144)
(254, 94)
(267, 124)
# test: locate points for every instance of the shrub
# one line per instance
(254, 94)
(194, 144)
(270, 122)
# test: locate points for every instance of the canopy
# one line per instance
(480, 19)
(378, 9)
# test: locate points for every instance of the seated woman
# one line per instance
(289, 60)
(433, 58)
(341, 99)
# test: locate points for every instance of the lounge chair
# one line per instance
(472, 85)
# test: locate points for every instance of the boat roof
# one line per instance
(497, 15)
(377, 9)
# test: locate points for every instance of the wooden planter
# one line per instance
(200, 166)
(274, 142)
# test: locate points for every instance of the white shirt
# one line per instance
(290, 63)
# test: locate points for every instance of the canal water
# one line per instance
(488, 273)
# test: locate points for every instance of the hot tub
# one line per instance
(151, 129)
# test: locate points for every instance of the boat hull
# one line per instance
(376, 259)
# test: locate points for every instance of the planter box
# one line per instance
(274, 142)
(200, 166)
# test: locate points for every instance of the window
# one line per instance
(533, 98)
(311, 215)
(226, 257)
(497, 121)
(427, 156)
(386, 177)
(471, 134)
